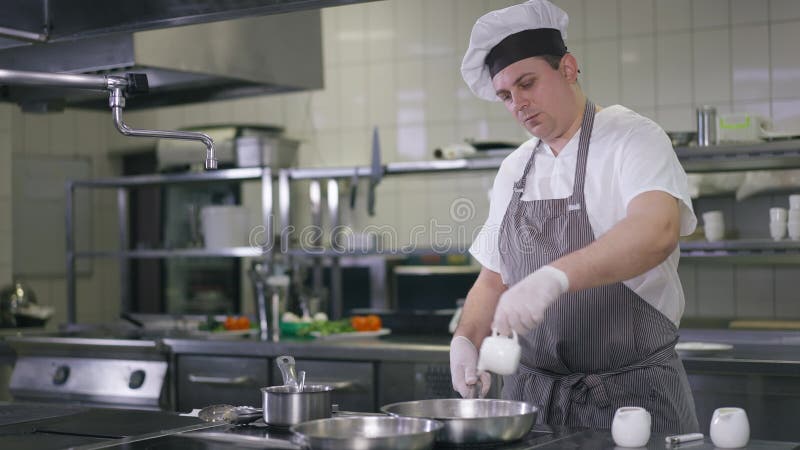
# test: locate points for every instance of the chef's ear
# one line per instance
(569, 67)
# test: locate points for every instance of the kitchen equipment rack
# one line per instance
(759, 156)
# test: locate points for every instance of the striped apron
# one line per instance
(598, 349)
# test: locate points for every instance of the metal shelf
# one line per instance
(730, 158)
(744, 251)
(233, 252)
(247, 173)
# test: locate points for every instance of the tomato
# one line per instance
(373, 322)
(230, 323)
(242, 323)
(359, 323)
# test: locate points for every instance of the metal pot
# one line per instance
(285, 405)
(368, 433)
(471, 421)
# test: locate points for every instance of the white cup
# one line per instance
(793, 227)
(794, 215)
(777, 230)
(729, 428)
(500, 354)
(714, 231)
(714, 225)
(631, 426)
(794, 201)
(778, 215)
(713, 217)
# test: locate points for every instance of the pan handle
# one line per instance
(225, 381)
(339, 385)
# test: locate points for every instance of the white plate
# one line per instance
(702, 347)
(351, 334)
(227, 334)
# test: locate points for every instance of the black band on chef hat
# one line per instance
(525, 44)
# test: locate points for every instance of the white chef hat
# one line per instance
(505, 36)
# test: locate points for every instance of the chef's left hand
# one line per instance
(521, 308)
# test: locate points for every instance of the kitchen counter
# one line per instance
(540, 437)
(776, 353)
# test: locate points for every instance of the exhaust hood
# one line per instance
(253, 54)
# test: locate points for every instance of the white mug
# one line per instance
(631, 426)
(714, 225)
(729, 428)
(500, 354)
(778, 214)
(777, 230)
(794, 201)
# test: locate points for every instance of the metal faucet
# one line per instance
(118, 87)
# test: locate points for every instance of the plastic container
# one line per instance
(225, 226)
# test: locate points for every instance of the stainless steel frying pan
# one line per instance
(471, 421)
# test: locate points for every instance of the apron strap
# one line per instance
(583, 152)
(519, 185)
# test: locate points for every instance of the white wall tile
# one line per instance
(638, 67)
(412, 142)
(477, 129)
(604, 20)
(297, 111)
(575, 10)
(784, 10)
(784, 57)
(351, 33)
(6, 114)
(245, 110)
(674, 69)
(37, 133)
(712, 73)
(353, 91)
(602, 71)
(673, 15)
(636, 17)
(786, 115)
(467, 12)
(710, 13)
(270, 110)
(750, 62)
(356, 147)
(441, 85)
(748, 11)
(507, 130)
(410, 29)
(410, 95)
(382, 109)
(762, 108)
(440, 135)
(330, 33)
(676, 118)
(325, 104)
(381, 32)
(440, 28)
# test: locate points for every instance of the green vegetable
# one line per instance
(326, 327)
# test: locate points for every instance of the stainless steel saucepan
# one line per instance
(286, 405)
(471, 421)
(368, 433)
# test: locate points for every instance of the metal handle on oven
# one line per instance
(226, 381)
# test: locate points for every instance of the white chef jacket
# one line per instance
(628, 155)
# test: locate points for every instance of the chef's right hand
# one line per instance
(464, 368)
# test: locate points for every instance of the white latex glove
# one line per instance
(522, 307)
(464, 368)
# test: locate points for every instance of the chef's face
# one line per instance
(540, 98)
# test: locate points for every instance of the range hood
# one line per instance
(191, 51)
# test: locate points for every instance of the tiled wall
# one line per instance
(394, 64)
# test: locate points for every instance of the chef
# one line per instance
(579, 251)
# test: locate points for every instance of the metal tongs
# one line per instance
(290, 376)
